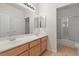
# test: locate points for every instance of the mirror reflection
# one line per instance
(39, 24)
(15, 25)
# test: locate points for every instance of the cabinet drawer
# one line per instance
(33, 43)
(15, 51)
(35, 51)
(26, 53)
(44, 38)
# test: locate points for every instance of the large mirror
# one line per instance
(13, 25)
(39, 24)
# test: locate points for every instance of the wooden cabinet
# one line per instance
(44, 44)
(33, 48)
(34, 43)
(35, 51)
(39, 46)
(25, 53)
(15, 51)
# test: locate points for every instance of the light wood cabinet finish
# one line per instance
(33, 48)
(15, 51)
(35, 51)
(26, 53)
(44, 44)
(44, 38)
(38, 49)
(34, 43)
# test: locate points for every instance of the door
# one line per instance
(74, 28)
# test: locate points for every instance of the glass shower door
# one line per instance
(74, 28)
(64, 35)
(64, 28)
(73, 32)
(69, 34)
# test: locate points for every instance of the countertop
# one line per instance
(6, 44)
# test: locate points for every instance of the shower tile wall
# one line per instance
(63, 13)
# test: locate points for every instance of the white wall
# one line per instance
(49, 10)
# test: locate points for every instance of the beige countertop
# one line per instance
(6, 44)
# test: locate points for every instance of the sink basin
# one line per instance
(11, 40)
(7, 44)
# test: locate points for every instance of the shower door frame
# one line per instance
(64, 25)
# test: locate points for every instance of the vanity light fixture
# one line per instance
(30, 6)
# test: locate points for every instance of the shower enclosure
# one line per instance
(70, 30)
(68, 27)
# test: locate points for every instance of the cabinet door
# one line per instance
(43, 44)
(15, 51)
(35, 51)
(26, 53)
(34, 43)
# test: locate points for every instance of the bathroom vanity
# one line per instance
(28, 46)
(24, 36)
